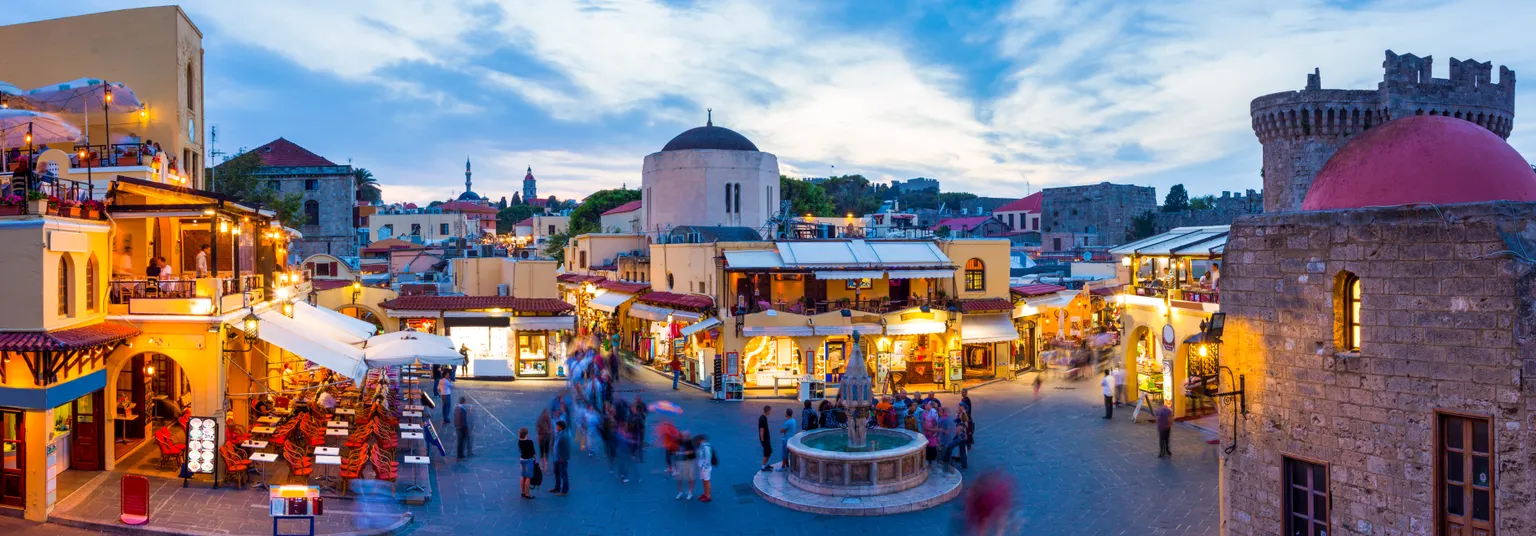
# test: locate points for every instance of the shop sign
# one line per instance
(866, 319)
(916, 315)
(1169, 341)
(202, 444)
(732, 365)
(956, 371)
(133, 494)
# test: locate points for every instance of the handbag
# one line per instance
(538, 476)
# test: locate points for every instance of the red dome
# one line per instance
(1422, 159)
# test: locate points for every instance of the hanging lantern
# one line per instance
(251, 325)
(288, 310)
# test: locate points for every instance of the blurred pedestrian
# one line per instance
(1164, 429)
(544, 431)
(527, 458)
(677, 371)
(463, 428)
(962, 444)
(946, 439)
(763, 437)
(437, 374)
(562, 449)
(1109, 395)
(687, 466)
(808, 417)
(669, 444)
(789, 429)
(1039, 379)
(639, 413)
(445, 386)
(706, 455)
(987, 506)
(1119, 376)
(931, 431)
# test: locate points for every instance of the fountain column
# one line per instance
(856, 392)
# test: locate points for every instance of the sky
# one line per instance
(996, 98)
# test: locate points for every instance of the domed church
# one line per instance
(709, 176)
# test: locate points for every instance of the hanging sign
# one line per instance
(1168, 338)
(202, 445)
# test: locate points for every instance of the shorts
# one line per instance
(527, 468)
(687, 469)
(767, 449)
(704, 471)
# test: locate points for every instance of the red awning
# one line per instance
(986, 305)
(692, 302)
(1037, 289)
(465, 303)
(66, 339)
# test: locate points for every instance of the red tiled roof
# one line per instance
(962, 224)
(283, 153)
(1030, 203)
(625, 286)
(525, 223)
(985, 305)
(1107, 291)
(578, 278)
(1037, 289)
(680, 301)
(537, 202)
(626, 207)
(66, 339)
(328, 284)
(464, 206)
(464, 303)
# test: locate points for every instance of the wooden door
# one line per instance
(901, 290)
(13, 472)
(1466, 476)
(85, 433)
(1306, 498)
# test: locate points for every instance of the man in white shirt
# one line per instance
(1109, 395)
(124, 264)
(1119, 376)
(202, 261)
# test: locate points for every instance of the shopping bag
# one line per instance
(538, 476)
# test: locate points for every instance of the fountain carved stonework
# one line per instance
(856, 392)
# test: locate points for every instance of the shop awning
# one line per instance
(320, 349)
(863, 329)
(753, 259)
(659, 314)
(850, 274)
(345, 328)
(1052, 301)
(528, 323)
(700, 326)
(412, 347)
(982, 329)
(610, 301)
(919, 274)
(918, 327)
(777, 331)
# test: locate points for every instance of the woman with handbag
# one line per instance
(527, 457)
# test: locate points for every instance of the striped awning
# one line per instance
(777, 331)
(849, 274)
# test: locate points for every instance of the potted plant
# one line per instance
(37, 203)
(93, 209)
(12, 205)
(69, 208)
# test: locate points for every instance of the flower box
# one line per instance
(92, 214)
(12, 210)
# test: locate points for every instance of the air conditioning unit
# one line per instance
(503, 290)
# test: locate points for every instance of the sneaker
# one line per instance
(553, 490)
(624, 480)
(705, 498)
(690, 495)
(767, 469)
(679, 495)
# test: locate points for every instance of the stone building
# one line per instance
(1300, 130)
(1223, 211)
(329, 192)
(728, 181)
(1102, 209)
(1384, 333)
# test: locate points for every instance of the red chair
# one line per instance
(170, 453)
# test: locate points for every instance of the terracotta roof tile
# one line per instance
(626, 207)
(328, 284)
(625, 286)
(693, 302)
(464, 303)
(1030, 203)
(283, 153)
(66, 339)
(1037, 289)
(985, 305)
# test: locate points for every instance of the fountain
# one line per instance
(856, 471)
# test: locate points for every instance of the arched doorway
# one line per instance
(363, 313)
(1143, 363)
(150, 390)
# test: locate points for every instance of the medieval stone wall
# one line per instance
(1225, 210)
(1300, 130)
(1102, 209)
(1447, 324)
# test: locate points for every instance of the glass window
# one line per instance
(311, 184)
(1306, 498)
(975, 276)
(90, 283)
(1465, 481)
(311, 212)
(1350, 318)
(442, 229)
(64, 285)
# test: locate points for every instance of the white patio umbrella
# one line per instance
(10, 95)
(421, 348)
(84, 95)
(45, 128)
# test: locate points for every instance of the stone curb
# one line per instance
(832, 505)
(118, 528)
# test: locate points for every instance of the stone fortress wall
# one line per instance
(1300, 130)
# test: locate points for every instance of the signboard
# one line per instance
(133, 492)
(956, 372)
(1168, 338)
(732, 365)
(202, 445)
(917, 315)
(433, 439)
(296, 501)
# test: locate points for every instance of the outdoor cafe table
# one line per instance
(327, 480)
(263, 458)
(417, 463)
(263, 430)
(349, 413)
(327, 451)
(254, 445)
(411, 414)
(268, 420)
(407, 427)
(338, 434)
(336, 424)
(415, 408)
(414, 436)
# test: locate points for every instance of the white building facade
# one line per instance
(709, 176)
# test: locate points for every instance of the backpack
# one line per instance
(713, 459)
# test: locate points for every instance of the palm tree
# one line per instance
(368, 188)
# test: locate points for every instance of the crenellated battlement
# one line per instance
(1301, 129)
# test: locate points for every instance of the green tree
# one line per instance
(238, 177)
(851, 194)
(1177, 199)
(368, 188)
(507, 218)
(1204, 202)
(1142, 226)
(952, 200)
(941, 231)
(586, 218)
(805, 197)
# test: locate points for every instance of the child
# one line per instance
(706, 454)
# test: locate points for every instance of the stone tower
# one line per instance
(530, 187)
(468, 184)
(1300, 130)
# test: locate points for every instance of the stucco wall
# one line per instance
(689, 188)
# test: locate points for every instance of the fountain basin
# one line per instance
(893, 463)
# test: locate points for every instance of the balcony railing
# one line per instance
(205, 296)
(814, 307)
(66, 198)
(1190, 293)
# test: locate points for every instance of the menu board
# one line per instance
(202, 444)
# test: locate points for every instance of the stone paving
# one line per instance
(1074, 473)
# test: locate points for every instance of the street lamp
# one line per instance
(251, 325)
(106, 105)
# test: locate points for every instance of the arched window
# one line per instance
(311, 212)
(975, 276)
(64, 285)
(1348, 312)
(90, 284)
(727, 198)
(669, 280)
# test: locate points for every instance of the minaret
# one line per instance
(467, 174)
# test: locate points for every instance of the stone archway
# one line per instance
(367, 314)
(202, 372)
(1142, 335)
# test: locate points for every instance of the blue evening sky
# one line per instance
(999, 98)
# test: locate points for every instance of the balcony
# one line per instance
(209, 296)
(806, 306)
(49, 196)
(1194, 292)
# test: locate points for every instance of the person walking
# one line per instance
(677, 371)
(669, 446)
(1119, 375)
(946, 439)
(1109, 395)
(1164, 429)
(763, 437)
(527, 458)
(445, 386)
(963, 427)
(687, 466)
(562, 448)
(931, 431)
(965, 409)
(638, 415)
(706, 455)
(437, 375)
(463, 428)
(1039, 379)
(544, 431)
(789, 429)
